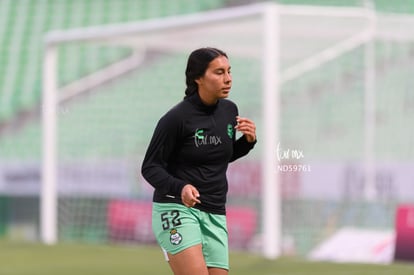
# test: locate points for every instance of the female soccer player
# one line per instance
(186, 162)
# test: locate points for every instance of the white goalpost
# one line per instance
(49, 168)
(277, 52)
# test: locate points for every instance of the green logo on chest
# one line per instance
(199, 134)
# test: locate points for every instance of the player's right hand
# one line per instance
(190, 195)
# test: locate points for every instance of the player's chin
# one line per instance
(225, 94)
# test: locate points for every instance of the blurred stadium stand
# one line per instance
(25, 21)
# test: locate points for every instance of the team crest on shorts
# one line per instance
(175, 237)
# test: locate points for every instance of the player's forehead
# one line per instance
(220, 62)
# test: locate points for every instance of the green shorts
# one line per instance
(177, 227)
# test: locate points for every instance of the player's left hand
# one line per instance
(247, 127)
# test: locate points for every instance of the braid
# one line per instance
(190, 90)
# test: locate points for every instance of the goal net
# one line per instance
(316, 81)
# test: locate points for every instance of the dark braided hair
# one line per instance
(197, 65)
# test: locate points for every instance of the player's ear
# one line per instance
(198, 81)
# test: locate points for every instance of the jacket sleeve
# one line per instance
(241, 147)
(155, 165)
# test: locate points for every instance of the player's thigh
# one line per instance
(217, 271)
(215, 240)
(190, 261)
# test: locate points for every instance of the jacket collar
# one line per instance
(196, 100)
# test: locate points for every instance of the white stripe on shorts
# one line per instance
(165, 254)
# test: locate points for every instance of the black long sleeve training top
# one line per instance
(193, 144)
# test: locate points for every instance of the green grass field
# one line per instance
(70, 259)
